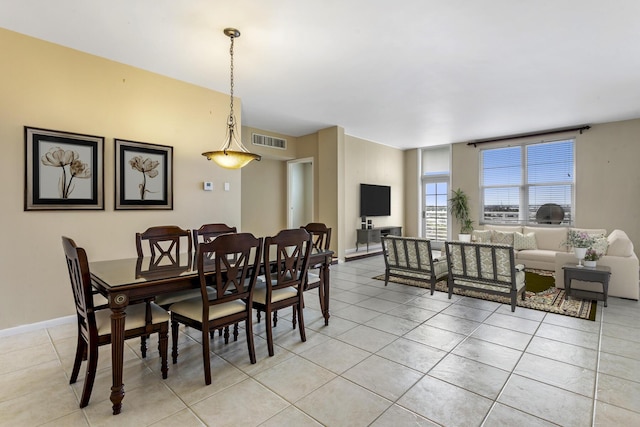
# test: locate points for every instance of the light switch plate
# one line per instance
(207, 186)
(226, 186)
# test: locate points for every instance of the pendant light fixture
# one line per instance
(232, 154)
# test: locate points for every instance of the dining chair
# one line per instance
(321, 240)
(286, 262)
(94, 326)
(234, 262)
(208, 232)
(165, 244)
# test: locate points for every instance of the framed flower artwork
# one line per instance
(143, 175)
(63, 170)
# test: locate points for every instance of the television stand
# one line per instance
(373, 235)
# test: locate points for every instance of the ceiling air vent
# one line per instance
(268, 141)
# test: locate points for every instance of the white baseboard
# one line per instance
(37, 326)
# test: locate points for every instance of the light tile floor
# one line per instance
(391, 356)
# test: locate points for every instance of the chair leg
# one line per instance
(143, 346)
(250, 344)
(174, 341)
(226, 335)
(205, 355)
(303, 335)
(163, 349)
(258, 315)
(235, 332)
(275, 318)
(92, 363)
(321, 295)
(294, 317)
(81, 351)
(267, 319)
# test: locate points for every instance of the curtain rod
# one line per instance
(581, 128)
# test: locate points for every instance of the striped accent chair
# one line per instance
(485, 268)
(411, 258)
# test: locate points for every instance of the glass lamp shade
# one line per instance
(231, 159)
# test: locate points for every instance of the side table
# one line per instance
(599, 274)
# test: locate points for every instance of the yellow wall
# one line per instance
(607, 176)
(264, 197)
(49, 86)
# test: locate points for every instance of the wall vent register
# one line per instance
(268, 141)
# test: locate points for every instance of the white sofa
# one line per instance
(543, 248)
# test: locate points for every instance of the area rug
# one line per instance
(541, 294)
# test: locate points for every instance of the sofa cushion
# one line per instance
(481, 236)
(502, 237)
(524, 241)
(549, 238)
(539, 255)
(619, 244)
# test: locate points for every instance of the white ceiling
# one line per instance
(404, 73)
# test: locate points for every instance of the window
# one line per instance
(528, 184)
(435, 194)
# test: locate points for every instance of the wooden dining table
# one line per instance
(132, 280)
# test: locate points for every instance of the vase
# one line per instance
(580, 253)
(588, 263)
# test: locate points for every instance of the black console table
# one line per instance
(598, 273)
(372, 235)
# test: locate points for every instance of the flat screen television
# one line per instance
(375, 200)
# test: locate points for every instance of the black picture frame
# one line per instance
(143, 176)
(63, 170)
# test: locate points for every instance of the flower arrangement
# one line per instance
(579, 239)
(592, 255)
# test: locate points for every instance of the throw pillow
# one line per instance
(502, 237)
(524, 241)
(481, 236)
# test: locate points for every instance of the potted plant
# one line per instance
(590, 257)
(580, 241)
(459, 209)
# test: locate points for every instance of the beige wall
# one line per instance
(377, 164)
(607, 177)
(49, 86)
(412, 192)
(264, 197)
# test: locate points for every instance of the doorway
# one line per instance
(434, 210)
(299, 192)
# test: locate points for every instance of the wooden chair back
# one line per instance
(208, 232)
(164, 243)
(290, 261)
(320, 235)
(236, 261)
(80, 278)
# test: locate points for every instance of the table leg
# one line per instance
(117, 356)
(567, 285)
(326, 285)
